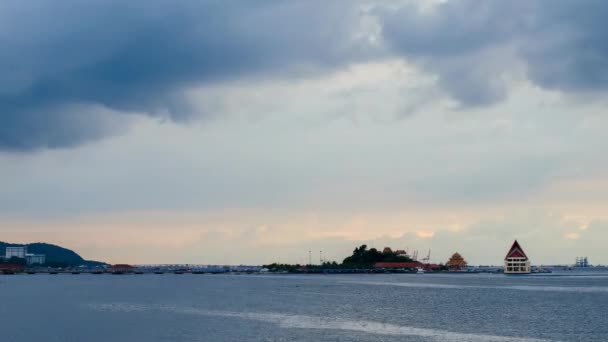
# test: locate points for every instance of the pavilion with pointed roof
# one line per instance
(456, 263)
(516, 261)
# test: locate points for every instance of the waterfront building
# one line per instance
(121, 269)
(516, 261)
(398, 265)
(11, 268)
(18, 252)
(35, 259)
(456, 263)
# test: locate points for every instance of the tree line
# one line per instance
(361, 258)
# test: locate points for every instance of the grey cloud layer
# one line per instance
(139, 56)
(469, 44)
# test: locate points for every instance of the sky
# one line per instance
(250, 132)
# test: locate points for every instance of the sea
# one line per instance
(385, 307)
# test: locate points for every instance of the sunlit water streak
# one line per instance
(311, 322)
(579, 289)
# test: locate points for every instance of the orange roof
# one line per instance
(456, 260)
(516, 251)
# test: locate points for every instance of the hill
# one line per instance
(55, 255)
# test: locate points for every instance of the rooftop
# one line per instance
(516, 251)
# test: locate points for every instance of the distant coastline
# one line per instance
(55, 256)
(363, 260)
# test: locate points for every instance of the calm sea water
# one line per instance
(303, 308)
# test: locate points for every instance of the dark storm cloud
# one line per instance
(59, 58)
(468, 44)
(138, 55)
(64, 127)
(567, 47)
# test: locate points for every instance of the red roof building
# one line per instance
(11, 268)
(398, 265)
(432, 267)
(121, 268)
(516, 261)
(516, 251)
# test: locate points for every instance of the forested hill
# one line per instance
(54, 254)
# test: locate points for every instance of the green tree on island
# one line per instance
(363, 257)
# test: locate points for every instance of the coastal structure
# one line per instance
(35, 259)
(456, 263)
(398, 265)
(516, 261)
(17, 252)
(121, 269)
(21, 253)
(582, 262)
(11, 268)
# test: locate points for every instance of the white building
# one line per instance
(516, 261)
(18, 252)
(33, 259)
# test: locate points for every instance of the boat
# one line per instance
(419, 270)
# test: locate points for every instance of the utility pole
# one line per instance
(309, 257)
(320, 257)
(427, 260)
